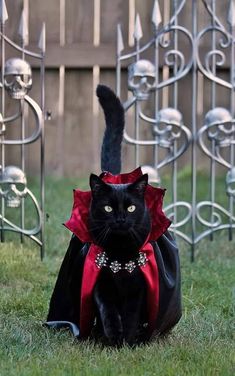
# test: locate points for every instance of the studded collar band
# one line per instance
(102, 260)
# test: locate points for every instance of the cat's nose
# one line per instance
(121, 219)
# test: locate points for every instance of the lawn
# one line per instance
(203, 343)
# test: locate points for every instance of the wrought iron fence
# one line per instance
(16, 82)
(176, 52)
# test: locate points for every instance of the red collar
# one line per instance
(153, 198)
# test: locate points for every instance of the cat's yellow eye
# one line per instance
(131, 208)
(108, 208)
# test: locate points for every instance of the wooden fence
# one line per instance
(80, 53)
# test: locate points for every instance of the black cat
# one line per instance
(119, 222)
(120, 278)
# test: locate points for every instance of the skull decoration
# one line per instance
(230, 182)
(141, 79)
(220, 126)
(13, 186)
(168, 126)
(17, 78)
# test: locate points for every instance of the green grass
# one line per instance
(203, 342)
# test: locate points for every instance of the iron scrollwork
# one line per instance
(216, 136)
(16, 82)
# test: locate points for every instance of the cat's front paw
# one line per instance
(114, 339)
(114, 334)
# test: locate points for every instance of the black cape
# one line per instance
(64, 309)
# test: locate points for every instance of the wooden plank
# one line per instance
(79, 55)
(144, 9)
(52, 157)
(79, 158)
(79, 21)
(112, 13)
(44, 11)
(14, 9)
(82, 55)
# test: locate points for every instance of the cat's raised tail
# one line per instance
(115, 122)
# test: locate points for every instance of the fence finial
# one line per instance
(120, 44)
(23, 30)
(138, 33)
(156, 15)
(42, 38)
(3, 12)
(231, 13)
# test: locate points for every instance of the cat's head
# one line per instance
(118, 215)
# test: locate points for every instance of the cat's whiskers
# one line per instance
(134, 236)
(104, 231)
(106, 234)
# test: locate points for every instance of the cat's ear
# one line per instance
(97, 185)
(139, 185)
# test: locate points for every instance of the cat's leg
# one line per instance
(132, 318)
(108, 316)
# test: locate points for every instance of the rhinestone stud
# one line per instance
(130, 266)
(115, 266)
(101, 260)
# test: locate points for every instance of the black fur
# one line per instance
(114, 118)
(120, 301)
(120, 298)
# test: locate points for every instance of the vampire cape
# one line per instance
(71, 303)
